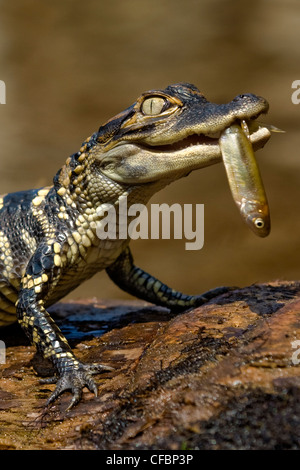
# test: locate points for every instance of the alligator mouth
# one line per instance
(189, 141)
(143, 162)
(259, 133)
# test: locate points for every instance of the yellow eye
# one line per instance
(153, 106)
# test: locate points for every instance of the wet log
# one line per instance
(222, 376)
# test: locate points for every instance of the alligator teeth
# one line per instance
(244, 178)
(248, 127)
(255, 125)
(270, 127)
(213, 135)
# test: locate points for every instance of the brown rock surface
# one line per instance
(222, 376)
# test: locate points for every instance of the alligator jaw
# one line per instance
(142, 163)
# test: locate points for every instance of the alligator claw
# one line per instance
(210, 294)
(198, 300)
(75, 380)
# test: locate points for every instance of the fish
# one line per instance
(244, 178)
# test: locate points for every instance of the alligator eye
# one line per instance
(153, 106)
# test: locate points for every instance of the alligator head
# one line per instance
(168, 133)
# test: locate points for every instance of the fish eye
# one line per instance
(259, 223)
(154, 105)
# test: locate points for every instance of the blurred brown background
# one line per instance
(69, 66)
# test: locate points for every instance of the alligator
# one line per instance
(48, 236)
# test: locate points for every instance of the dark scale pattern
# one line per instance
(15, 219)
(48, 236)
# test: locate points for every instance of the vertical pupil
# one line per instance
(153, 106)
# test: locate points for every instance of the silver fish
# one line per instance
(244, 178)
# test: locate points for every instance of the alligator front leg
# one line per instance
(45, 334)
(137, 282)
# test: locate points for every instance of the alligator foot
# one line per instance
(75, 380)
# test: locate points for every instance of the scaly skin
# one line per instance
(48, 240)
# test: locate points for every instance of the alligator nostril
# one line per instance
(247, 96)
(244, 96)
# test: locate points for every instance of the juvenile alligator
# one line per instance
(48, 240)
